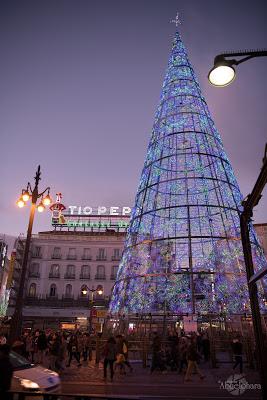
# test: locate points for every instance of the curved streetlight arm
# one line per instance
(248, 55)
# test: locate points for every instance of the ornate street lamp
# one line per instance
(34, 195)
(99, 291)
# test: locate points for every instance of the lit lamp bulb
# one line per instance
(99, 291)
(40, 207)
(20, 203)
(222, 74)
(25, 196)
(84, 292)
(47, 200)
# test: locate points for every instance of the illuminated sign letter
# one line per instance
(114, 211)
(72, 209)
(126, 210)
(101, 210)
(87, 210)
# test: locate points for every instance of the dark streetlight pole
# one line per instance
(16, 323)
(223, 74)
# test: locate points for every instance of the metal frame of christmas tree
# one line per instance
(183, 252)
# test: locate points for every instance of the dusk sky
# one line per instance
(80, 81)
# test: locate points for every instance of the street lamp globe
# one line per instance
(20, 203)
(41, 207)
(25, 196)
(47, 200)
(221, 75)
(84, 292)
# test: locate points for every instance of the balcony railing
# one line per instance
(64, 302)
(54, 275)
(71, 257)
(84, 257)
(56, 256)
(33, 274)
(112, 277)
(101, 258)
(100, 277)
(69, 276)
(85, 276)
(36, 255)
(115, 258)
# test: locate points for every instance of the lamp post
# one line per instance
(85, 290)
(222, 74)
(34, 195)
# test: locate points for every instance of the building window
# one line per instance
(101, 255)
(53, 290)
(116, 255)
(37, 252)
(114, 271)
(34, 270)
(70, 272)
(56, 252)
(32, 290)
(100, 272)
(86, 254)
(85, 272)
(54, 271)
(68, 291)
(72, 254)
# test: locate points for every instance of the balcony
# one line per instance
(71, 257)
(112, 277)
(115, 258)
(85, 257)
(54, 275)
(100, 277)
(101, 258)
(56, 256)
(36, 255)
(69, 276)
(33, 274)
(85, 276)
(64, 302)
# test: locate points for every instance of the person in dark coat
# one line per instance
(206, 347)
(6, 372)
(237, 348)
(109, 353)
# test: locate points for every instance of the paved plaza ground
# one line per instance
(140, 384)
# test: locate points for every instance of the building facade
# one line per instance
(261, 230)
(69, 273)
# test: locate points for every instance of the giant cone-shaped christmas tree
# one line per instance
(183, 252)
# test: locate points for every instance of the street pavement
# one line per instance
(140, 384)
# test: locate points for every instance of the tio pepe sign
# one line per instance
(100, 210)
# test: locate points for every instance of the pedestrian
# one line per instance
(157, 354)
(206, 347)
(109, 357)
(183, 346)
(6, 372)
(73, 350)
(125, 352)
(41, 344)
(237, 348)
(54, 352)
(87, 352)
(192, 359)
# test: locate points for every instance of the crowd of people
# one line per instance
(58, 350)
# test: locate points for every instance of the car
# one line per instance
(32, 378)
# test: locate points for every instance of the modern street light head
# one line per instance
(25, 196)
(20, 202)
(223, 73)
(41, 207)
(47, 200)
